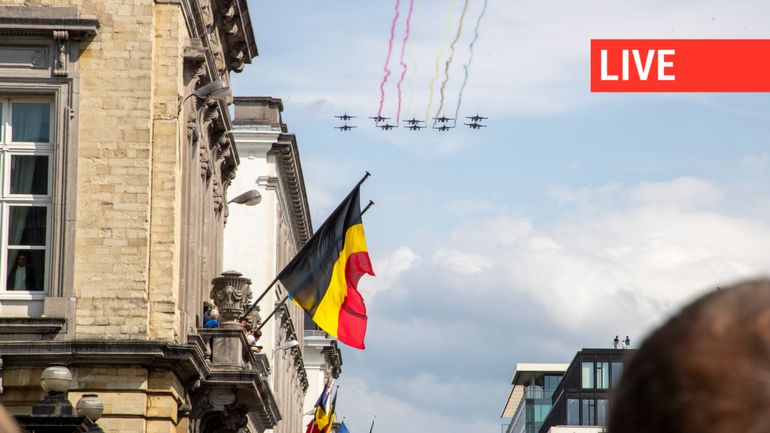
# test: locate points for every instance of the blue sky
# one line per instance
(571, 218)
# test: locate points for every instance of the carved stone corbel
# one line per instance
(61, 61)
(237, 58)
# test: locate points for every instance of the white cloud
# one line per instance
(388, 270)
(683, 191)
(461, 262)
(393, 414)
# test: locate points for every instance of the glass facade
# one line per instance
(617, 371)
(587, 375)
(535, 405)
(573, 411)
(602, 375)
(589, 410)
(601, 411)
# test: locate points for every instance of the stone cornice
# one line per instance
(255, 140)
(333, 358)
(187, 361)
(299, 362)
(43, 21)
(23, 325)
(287, 155)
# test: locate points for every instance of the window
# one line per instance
(551, 382)
(573, 411)
(616, 373)
(587, 375)
(602, 375)
(589, 408)
(601, 412)
(26, 149)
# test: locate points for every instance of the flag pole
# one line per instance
(264, 322)
(264, 293)
(371, 203)
(372, 427)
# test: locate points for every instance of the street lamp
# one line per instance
(249, 198)
(216, 90)
(286, 346)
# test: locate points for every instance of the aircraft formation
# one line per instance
(396, 58)
(440, 123)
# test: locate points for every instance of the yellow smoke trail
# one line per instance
(451, 57)
(444, 37)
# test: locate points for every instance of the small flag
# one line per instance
(343, 428)
(332, 407)
(320, 420)
(323, 277)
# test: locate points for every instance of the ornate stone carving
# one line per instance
(237, 58)
(208, 16)
(61, 38)
(232, 294)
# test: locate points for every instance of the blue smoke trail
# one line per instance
(470, 59)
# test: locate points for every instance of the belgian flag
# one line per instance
(323, 277)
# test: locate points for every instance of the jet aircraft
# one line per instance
(345, 116)
(344, 127)
(443, 119)
(414, 127)
(387, 127)
(476, 118)
(443, 128)
(378, 118)
(413, 121)
(476, 125)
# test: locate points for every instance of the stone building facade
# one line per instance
(116, 159)
(261, 240)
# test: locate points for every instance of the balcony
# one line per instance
(236, 392)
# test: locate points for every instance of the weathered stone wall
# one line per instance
(135, 399)
(128, 183)
(166, 218)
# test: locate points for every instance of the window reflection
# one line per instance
(601, 412)
(27, 225)
(31, 122)
(573, 411)
(587, 371)
(588, 412)
(602, 375)
(617, 372)
(29, 174)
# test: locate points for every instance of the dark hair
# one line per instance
(706, 370)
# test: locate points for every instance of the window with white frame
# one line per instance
(26, 154)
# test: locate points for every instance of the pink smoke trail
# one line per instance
(387, 59)
(449, 60)
(401, 59)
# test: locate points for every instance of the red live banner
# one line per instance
(680, 65)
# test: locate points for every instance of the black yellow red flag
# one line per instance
(323, 277)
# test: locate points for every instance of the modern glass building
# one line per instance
(582, 396)
(530, 400)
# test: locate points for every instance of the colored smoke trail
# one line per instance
(451, 56)
(387, 59)
(401, 59)
(444, 35)
(470, 60)
(409, 84)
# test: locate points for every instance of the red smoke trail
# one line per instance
(451, 56)
(387, 59)
(401, 60)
